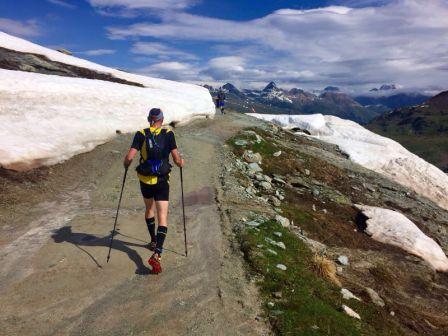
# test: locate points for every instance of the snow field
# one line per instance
(372, 151)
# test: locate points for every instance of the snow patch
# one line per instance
(372, 151)
(392, 227)
(47, 119)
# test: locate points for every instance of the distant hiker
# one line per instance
(220, 100)
(155, 144)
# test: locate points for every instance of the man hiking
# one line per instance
(155, 144)
(220, 100)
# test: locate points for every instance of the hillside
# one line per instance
(423, 129)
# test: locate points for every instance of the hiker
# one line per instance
(220, 100)
(155, 144)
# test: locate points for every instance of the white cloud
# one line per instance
(171, 70)
(133, 7)
(160, 50)
(98, 52)
(20, 28)
(62, 4)
(403, 41)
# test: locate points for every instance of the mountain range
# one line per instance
(331, 100)
(423, 129)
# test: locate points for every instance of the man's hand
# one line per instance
(128, 159)
(177, 158)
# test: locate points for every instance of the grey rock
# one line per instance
(277, 154)
(277, 234)
(271, 304)
(307, 172)
(343, 260)
(281, 267)
(254, 167)
(241, 142)
(251, 157)
(315, 192)
(350, 312)
(272, 252)
(252, 224)
(267, 178)
(281, 245)
(277, 295)
(347, 295)
(275, 201)
(283, 221)
(265, 185)
(376, 299)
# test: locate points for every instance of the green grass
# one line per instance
(307, 300)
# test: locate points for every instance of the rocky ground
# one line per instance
(283, 181)
(273, 237)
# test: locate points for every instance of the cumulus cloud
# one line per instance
(98, 52)
(160, 50)
(402, 41)
(28, 28)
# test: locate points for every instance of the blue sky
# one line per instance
(356, 45)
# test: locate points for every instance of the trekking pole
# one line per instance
(116, 216)
(183, 209)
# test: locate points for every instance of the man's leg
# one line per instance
(149, 217)
(162, 229)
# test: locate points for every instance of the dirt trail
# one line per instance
(55, 280)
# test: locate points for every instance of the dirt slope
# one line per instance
(55, 223)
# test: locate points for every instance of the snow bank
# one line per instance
(372, 151)
(391, 227)
(46, 119)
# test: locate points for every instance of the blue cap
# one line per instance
(155, 114)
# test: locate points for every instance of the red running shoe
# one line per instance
(154, 262)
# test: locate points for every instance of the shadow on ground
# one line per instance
(78, 239)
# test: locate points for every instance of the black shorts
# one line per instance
(159, 191)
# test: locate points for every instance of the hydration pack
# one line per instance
(157, 160)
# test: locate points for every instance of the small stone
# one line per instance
(278, 180)
(315, 192)
(324, 211)
(254, 167)
(251, 157)
(252, 224)
(376, 299)
(350, 312)
(281, 267)
(347, 295)
(115, 151)
(314, 208)
(277, 154)
(278, 234)
(339, 270)
(307, 172)
(343, 260)
(271, 304)
(267, 178)
(260, 245)
(241, 142)
(265, 185)
(258, 318)
(275, 201)
(282, 221)
(272, 252)
(392, 313)
(277, 295)
(281, 245)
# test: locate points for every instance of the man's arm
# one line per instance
(177, 158)
(128, 158)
